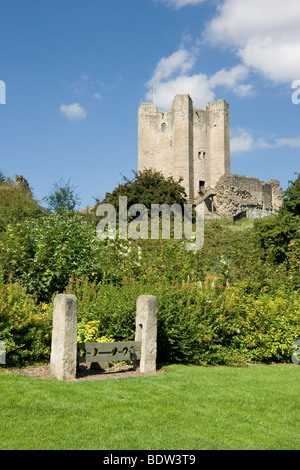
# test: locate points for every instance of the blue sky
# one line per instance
(76, 72)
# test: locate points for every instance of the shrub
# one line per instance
(43, 254)
(199, 323)
(108, 307)
(24, 326)
(16, 203)
(209, 322)
(227, 303)
(88, 332)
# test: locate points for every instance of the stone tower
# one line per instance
(186, 142)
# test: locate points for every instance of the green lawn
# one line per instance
(185, 408)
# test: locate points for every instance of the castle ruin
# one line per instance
(194, 145)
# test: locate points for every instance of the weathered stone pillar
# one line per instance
(146, 331)
(64, 337)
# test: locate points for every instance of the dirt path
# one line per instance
(115, 371)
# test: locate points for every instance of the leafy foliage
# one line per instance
(25, 325)
(62, 197)
(279, 235)
(44, 253)
(16, 203)
(148, 187)
(199, 323)
(234, 301)
(88, 332)
(275, 234)
(291, 198)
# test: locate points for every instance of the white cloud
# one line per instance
(171, 77)
(278, 61)
(97, 96)
(180, 61)
(73, 111)
(231, 78)
(243, 141)
(197, 86)
(265, 35)
(293, 142)
(180, 3)
(244, 90)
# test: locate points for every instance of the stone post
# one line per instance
(146, 331)
(63, 359)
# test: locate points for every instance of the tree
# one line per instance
(291, 198)
(275, 233)
(62, 197)
(279, 234)
(3, 178)
(148, 187)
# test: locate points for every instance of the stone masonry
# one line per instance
(237, 194)
(186, 142)
(63, 359)
(194, 145)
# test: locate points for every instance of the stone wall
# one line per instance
(236, 194)
(21, 182)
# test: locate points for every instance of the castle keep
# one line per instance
(194, 144)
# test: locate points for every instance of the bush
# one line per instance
(199, 323)
(234, 301)
(88, 332)
(16, 203)
(43, 254)
(25, 326)
(109, 308)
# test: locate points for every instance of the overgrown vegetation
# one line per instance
(235, 301)
(148, 187)
(16, 203)
(62, 197)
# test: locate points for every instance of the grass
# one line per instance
(186, 408)
(238, 226)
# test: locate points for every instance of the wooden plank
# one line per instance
(117, 351)
(108, 347)
(108, 357)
